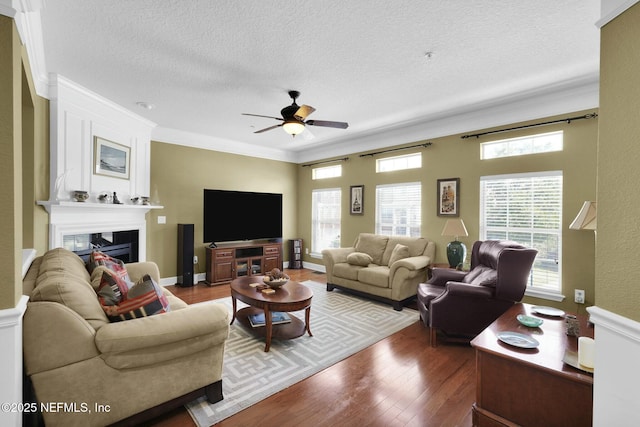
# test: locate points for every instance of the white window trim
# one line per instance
(313, 254)
(545, 294)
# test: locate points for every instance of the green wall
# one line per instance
(453, 157)
(180, 174)
(23, 152)
(618, 166)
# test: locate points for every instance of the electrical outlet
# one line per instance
(195, 259)
(579, 296)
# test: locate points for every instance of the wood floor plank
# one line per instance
(399, 381)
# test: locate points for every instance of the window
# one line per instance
(527, 208)
(409, 161)
(326, 172)
(540, 143)
(325, 219)
(398, 209)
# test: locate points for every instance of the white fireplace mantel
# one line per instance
(69, 218)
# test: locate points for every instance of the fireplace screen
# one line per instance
(118, 244)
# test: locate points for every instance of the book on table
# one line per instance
(277, 318)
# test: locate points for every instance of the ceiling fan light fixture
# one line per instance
(293, 127)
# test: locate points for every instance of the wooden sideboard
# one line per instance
(531, 387)
(228, 262)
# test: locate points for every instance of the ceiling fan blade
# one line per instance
(259, 115)
(269, 128)
(304, 112)
(307, 135)
(329, 124)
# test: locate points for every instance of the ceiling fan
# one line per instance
(294, 118)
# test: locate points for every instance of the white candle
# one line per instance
(586, 351)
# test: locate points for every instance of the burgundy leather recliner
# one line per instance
(461, 304)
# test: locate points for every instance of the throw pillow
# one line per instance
(359, 258)
(116, 265)
(144, 299)
(399, 252)
(112, 290)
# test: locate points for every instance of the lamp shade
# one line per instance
(454, 227)
(586, 219)
(293, 127)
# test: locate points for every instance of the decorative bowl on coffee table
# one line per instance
(275, 283)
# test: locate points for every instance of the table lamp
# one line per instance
(586, 218)
(456, 250)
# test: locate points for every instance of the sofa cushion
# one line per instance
(372, 244)
(346, 271)
(416, 245)
(375, 275)
(359, 258)
(482, 276)
(144, 299)
(78, 295)
(60, 259)
(399, 252)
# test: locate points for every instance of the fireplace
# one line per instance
(122, 245)
(83, 226)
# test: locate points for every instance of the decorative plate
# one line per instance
(547, 311)
(518, 340)
(532, 322)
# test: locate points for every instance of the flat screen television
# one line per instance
(241, 215)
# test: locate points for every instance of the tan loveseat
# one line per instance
(87, 371)
(386, 268)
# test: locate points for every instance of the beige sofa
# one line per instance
(386, 268)
(125, 371)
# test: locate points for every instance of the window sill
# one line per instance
(543, 294)
(315, 255)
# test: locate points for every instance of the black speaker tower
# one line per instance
(185, 255)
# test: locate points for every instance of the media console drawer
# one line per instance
(224, 254)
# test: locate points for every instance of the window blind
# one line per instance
(398, 209)
(526, 208)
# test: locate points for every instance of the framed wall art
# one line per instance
(449, 197)
(356, 204)
(111, 159)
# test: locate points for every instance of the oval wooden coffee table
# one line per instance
(291, 297)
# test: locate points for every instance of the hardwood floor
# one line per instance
(399, 381)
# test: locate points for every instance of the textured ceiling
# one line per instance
(202, 63)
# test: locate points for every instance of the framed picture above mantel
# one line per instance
(449, 197)
(111, 159)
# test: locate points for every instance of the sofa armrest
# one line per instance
(406, 274)
(334, 256)
(411, 263)
(155, 339)
(440, 276)
(42, 337)
(138, 269)
(337, 255)
(468, 290)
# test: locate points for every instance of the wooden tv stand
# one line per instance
(227, 262)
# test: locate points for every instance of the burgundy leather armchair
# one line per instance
(461, 304)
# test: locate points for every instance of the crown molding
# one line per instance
(80, 95)
(26, 14)
(560, 98)
(611, 9)
(206, 142)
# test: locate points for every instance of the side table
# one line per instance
(517, 386)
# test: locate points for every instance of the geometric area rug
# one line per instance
(342, 325)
